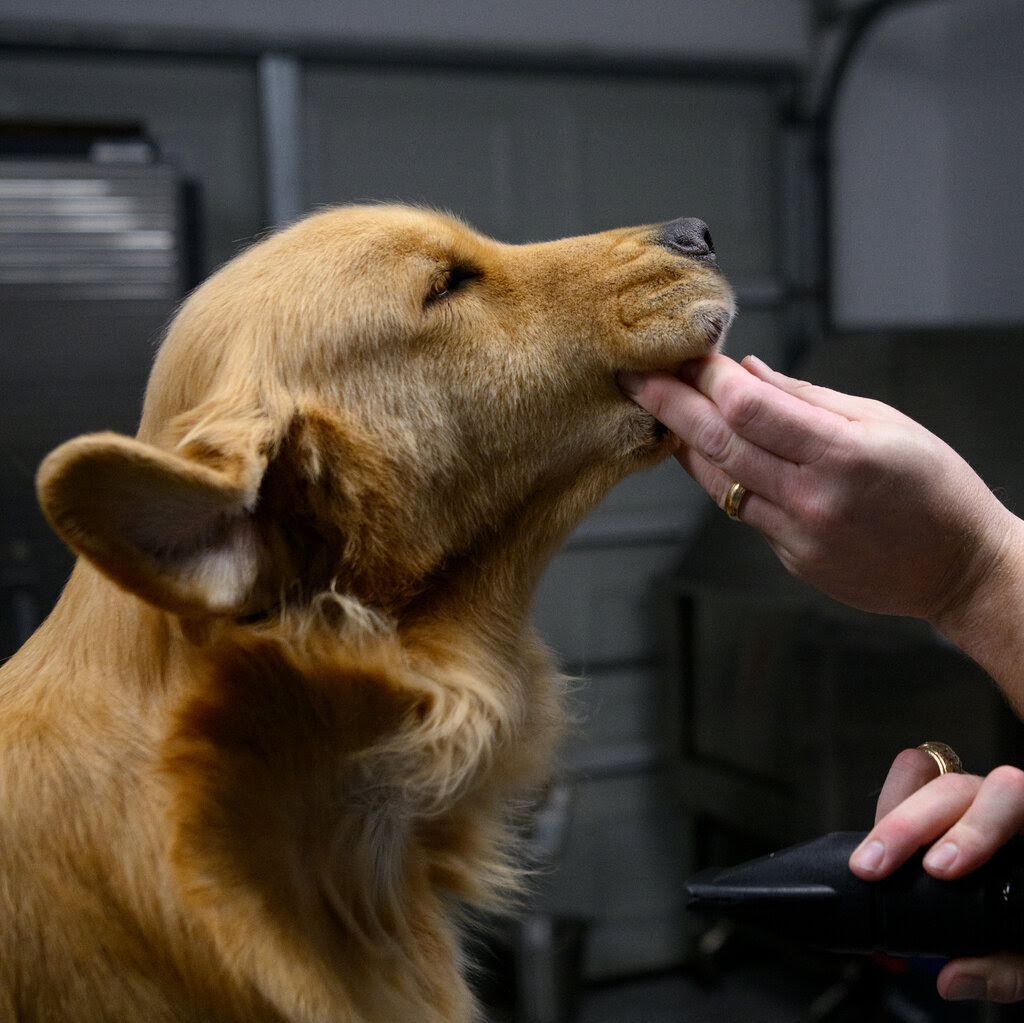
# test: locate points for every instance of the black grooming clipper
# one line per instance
(807, 893)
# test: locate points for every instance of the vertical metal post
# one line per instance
(855, 22)
(280, 103)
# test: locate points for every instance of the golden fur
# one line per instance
(266, 740)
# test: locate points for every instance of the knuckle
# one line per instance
(960, 787)
(974, 840)
(714, 439)
(902, 830)
(818, 512)
(806, 556)
(822, 513)
(740, 404)
(1009, 780)
(657, 399)
(911, 760)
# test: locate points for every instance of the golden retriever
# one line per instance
(263, 747)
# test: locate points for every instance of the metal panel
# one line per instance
(203, 115)
(527, 157)
(72, 230)
(92, 262)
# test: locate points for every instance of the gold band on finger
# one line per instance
(733, 499)
(944, 756)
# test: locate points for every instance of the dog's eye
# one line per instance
(449, 281)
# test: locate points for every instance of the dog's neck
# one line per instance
(489, 584)
(478, 599)
(114, 639)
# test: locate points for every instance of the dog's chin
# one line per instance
(700, 334)
(662, 438)
(648, 439)
(660, 444)
(644, 438)
(709, 323)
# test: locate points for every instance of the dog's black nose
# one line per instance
(689, 236)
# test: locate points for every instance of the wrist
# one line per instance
(985, 615)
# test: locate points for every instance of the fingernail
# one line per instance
(868, 856)
(631, 383)
(967, 988)
(942, 857)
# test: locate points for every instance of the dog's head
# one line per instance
(367, 397)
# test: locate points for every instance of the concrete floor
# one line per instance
(767, 992)
(676, 999)
(737, 980)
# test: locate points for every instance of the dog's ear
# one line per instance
(176, 530)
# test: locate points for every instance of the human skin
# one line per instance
(963, 819)
(855, 498)
(874, 510)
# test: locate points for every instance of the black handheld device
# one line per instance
(808, 893)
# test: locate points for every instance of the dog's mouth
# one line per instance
(712, 321)
(644, 437)
(707, 325)
(659, 430)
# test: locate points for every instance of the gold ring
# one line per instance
(944, 756)
(733, 499)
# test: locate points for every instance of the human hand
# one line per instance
(854, 497)
(964, 819)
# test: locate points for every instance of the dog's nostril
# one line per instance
(689, 236)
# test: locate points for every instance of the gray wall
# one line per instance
(929, 222)
(667, 27)
(929, 154)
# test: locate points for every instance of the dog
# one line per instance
(264, 747)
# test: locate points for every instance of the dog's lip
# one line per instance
(718, 322)
(661, 431)
(716, 318)
(712, 319)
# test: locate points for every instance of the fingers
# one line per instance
(994, 816)
(964, 819)
(782, 421)
(997, 978)
(717, 481)
(911, 770)
(847, 405)
(760, 507)
(918, 820)
(709, 448)
(734, 427)
(967, 819)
